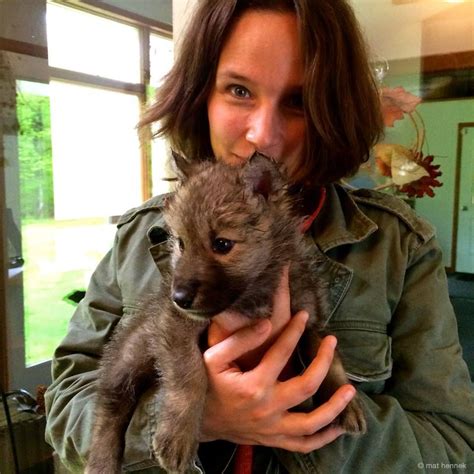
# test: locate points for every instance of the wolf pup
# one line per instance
(232, 231)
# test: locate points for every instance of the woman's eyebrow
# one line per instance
(230, 74)
(233, 75)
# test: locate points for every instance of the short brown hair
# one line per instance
(341, 101)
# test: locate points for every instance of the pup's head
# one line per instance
(232, 231)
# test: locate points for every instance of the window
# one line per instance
(109, 49)
(75, 162)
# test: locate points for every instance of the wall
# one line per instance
(181, 13)
(23, 21)
(441, 120)
(396, 31)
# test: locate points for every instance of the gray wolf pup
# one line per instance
(232, 231)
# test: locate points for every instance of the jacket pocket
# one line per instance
(366, 352)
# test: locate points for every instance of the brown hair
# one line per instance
(340, 96)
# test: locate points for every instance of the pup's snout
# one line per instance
(184, 294)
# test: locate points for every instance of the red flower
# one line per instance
(425, 184)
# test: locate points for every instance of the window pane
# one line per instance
(58, 255)
(97, 164)
(71, 183)
(161, 60)
(87, 43)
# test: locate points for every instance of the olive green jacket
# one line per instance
(389, 309)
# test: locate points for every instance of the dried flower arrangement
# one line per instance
(400, 169)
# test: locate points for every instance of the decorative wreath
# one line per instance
(406, 168)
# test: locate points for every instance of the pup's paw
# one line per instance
(352, 419)
(175, 453)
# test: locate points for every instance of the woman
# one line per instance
(288, 79)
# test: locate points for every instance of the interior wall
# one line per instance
(442, 119)
(181, 13)
(23, 21)
(394, 30)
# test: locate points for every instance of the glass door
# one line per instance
(59, 220)
(71, 161)
(27, 182)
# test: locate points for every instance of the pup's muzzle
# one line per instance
(183, 294)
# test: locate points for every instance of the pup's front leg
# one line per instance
(125, 372)
(352, 418)
(183, 382)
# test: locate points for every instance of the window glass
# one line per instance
(73, 179)
(60, 247)
(87, 43)
(97, 164)
(73, 162)
(161, 60)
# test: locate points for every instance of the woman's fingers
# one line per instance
(298, 389)
(222, 356)
(307, 444)
(225, 324)
(281, 300)
(278, 355)
(306, 424)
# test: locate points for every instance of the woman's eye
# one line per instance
(222, 246)
(240, 92)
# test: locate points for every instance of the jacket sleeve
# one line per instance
(424, 418)
(71, 396)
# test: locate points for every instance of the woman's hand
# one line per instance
(252, 407)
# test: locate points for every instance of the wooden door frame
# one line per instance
(457, 187)
(4, 372)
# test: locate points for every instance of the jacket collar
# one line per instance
(340, 221)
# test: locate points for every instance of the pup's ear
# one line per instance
(182, 166)
(262, 175)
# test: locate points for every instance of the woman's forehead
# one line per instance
(263, 44)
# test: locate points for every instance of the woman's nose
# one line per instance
(264, 130)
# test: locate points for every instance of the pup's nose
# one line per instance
(183, 296)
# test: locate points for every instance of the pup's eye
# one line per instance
(222, 246)
(180, 244)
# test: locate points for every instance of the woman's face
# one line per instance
(256, 102)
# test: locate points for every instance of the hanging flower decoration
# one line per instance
(395, 103)
(425, 184)
(408, 170)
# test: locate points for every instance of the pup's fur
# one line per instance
(233, 229)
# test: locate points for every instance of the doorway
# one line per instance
(464, 202)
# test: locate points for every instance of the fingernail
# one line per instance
(332, 341)
(349, 394)
(262, 326)
(304, 316)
